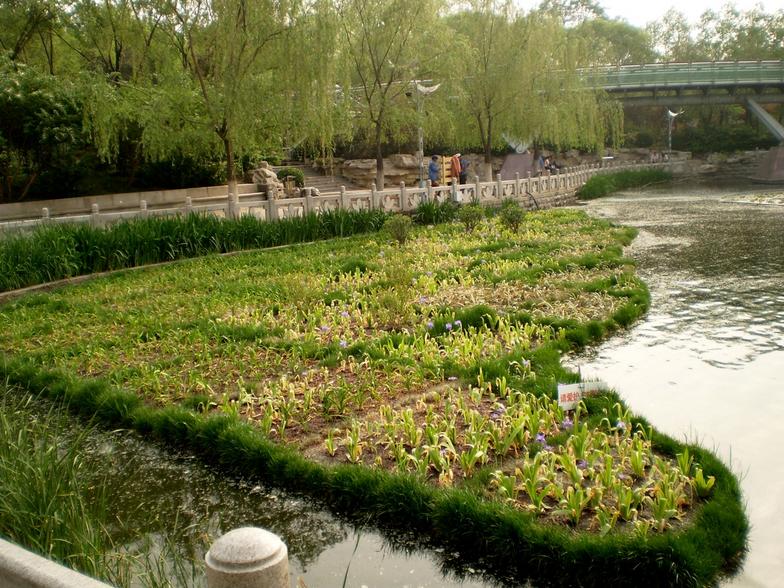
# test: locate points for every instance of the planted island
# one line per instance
(407, 377)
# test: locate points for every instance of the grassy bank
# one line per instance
(62, 251)
(604, 184)
(410, 384)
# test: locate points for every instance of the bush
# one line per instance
(511, 214)
(433, 213)
(603, 184)
(471, 215)
(294, 172)
(398, 226)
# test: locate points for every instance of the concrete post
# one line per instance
(499, 190)
(455, 183)
(429, 191)
(248, 557)
(188, 205)
(309, 201)
(374, 201)
(403, 197)
(45, 214)
(343, 198)
(477, 190)
(143, 209)
(95, 216)
(517, 192)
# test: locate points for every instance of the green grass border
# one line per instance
(505, 541)
(607, 183)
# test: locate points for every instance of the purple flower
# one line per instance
(429, 273)
(620, 425)
(344, 314)
(498, 412)
(343, 343)
(540, 438)
(429, 325)
(448, 326)
(458, 323)
(324, 328)
(423, 300)
(582, 464)
(567, 423)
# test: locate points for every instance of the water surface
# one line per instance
(707, 362)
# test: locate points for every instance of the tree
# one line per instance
(388, 45)
(573, 12)
(614, 42)
(229, 50)
(519, 78)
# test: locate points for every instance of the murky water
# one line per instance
(707, 361)
(174, 499)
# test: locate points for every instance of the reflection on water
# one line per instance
(706, 361)
(172, 499)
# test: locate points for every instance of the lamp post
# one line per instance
(670, 118)
(421, 92)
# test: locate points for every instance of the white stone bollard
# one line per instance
(248, 557)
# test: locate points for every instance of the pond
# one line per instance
(705, 363)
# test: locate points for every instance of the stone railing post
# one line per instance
(143, 212)
(403, 197)
(45, 217)
(477, 190)
(343, 198)
(429, 187)
(95, 216)
(374, 201)
(499, 190)
(248, 557)
(188, 205)
(455, 184)
(309, 201)
(517, 191)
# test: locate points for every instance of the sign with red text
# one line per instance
(570, 395)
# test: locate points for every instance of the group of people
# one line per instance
(458, 168)
(547, 165)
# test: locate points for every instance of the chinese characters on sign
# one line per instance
(569, 395)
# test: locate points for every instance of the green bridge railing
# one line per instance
(662, 75)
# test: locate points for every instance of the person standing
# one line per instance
(463, 169)
(433, 171)
(455, 167)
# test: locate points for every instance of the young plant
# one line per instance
(702, 486)
(573, 503)
(399, 227)
(471, 215)
(511, 215)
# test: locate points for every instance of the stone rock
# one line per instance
(266, 179)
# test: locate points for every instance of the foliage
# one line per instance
(725, 139)
(63, 251)
(399, 227)
(426, 376)
(471, 215)
(295, 172)
(432, 213)
(511, 214)
(603, 184)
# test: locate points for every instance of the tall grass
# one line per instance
(603, 184)
(63, 251)
(53, 502)
(46, 501)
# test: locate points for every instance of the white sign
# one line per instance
(570, 395)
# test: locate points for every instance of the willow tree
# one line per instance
(389, 44)
(226, 93)
(519, 78)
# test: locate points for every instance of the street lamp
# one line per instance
(670, 118)
(421, 92)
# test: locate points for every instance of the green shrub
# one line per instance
(511, 214)
(294, 172)
(398, 226)
(471, 215)
(603, 184)
(433, 213)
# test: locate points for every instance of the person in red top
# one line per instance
(456, 167)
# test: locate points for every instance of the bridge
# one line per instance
(750, 83)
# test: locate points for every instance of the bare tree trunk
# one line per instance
(487, 172)
(231, 181)
(379, 159)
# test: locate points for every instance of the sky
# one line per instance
(641, 12)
